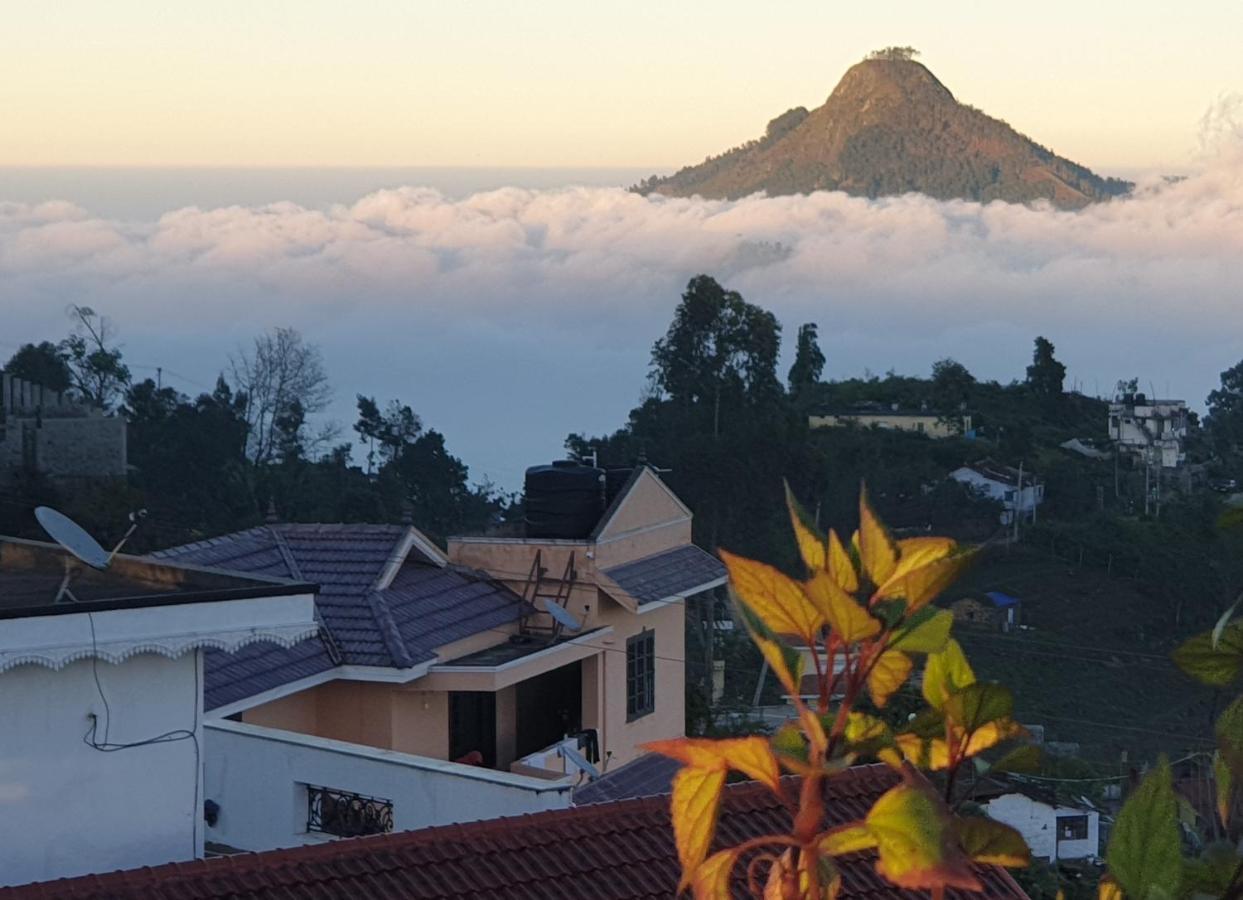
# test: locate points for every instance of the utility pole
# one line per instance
(1018, 503)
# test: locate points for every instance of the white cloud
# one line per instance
(511, 317)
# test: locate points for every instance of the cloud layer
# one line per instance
(512, 317)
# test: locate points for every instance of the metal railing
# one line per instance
(346, 814)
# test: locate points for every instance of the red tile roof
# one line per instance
(608, 851)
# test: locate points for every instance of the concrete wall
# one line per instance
(57, 435)
(932, 425)
(259, 778)
(67, 809)
(1037, 822)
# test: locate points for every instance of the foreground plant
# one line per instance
(862, 616)
(1145, 854)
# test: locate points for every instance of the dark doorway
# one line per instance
(550, 706)
(472, 725)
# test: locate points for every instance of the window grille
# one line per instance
(345, 813)
(640, 675)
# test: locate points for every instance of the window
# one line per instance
(346, 814)
(1072, 828)
(640, 675)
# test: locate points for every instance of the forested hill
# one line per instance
(890, 127)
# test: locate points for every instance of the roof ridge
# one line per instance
(205, 542)
(387, 625)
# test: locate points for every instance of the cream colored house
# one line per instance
(440, 689)
(920, 422)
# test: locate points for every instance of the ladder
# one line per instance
(540, 586)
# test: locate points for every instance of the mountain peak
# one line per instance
(891, 127)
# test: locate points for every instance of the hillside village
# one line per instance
(286, 681)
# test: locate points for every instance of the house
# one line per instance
(622, 564)
(102, 705)
(1014, 489)
(441, 688)
(1152, 431)
(995, 610)
(1054, 828)
(57, 435)
(622, 850)
(877, 415)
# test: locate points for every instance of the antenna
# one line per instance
(73, 537)
(563, 616)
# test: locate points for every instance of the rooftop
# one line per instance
(679, 572)
(651, 775)
(387, 598)
(1003, 474)
(608, 851)
(519, 646)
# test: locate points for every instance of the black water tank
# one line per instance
(564, 500)
(614, 481)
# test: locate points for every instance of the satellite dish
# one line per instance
(563, 616)
(73, 537)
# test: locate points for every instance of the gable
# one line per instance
(647, 502)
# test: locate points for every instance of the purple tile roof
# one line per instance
(651, 775)
(672, 573)
(425, 606)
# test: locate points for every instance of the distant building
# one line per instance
(1054, 828)
(56, 435)
(1017, 492)
(994, 610)
(920, 421)
(102, 702)
(1152, 431)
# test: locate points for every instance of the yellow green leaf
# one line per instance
(989, 735)
(1225, 788)
(869, 736)
(847, 839)
(776, 599)
(920, 586)
(924, 632)
(974, 705)
(915, 553)
(1215, 663)
(1025, 758)
(841, 566)
(711, 880)
(1108, 890)
(1145, 848)
(877, 551)
(889, 673)
(991, 843)
(848, 620)
(945, 673)
(911, 828)
(753, 756)
(694, 806)
(811, 545)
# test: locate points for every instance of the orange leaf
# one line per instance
(890, 671)
(810, 544)
(992, 843)
(847, 839)
(1108, 889)
(990, 735)
(848, 620)
(777, 599)
(877, 551)
(911, 827)
(695, 803)
(841, 566)
(711, 880)
(753, 756)
(920, 586)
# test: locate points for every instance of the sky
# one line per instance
(1115, 85)
(517, 301)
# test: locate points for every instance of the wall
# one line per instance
(67, 809)
(259, 778)
(57, 435)
(1036, 821)
(932, 425)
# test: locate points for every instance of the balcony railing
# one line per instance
(346, 814)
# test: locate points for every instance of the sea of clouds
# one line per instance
(511, 317)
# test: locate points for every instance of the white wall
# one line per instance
(1037, 822)
(67, 809)
(259, 777)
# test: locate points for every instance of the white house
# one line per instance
(1052, 830)
(101, 702)
(1014, 490)
(1151, 430)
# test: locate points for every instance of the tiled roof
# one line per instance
(669, 574)
(426, 605)
(651, 775)
(608, 851)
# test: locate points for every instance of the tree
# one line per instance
(1045, 374)
(393, 429)
(94, 361)
(900, 54)
(42, 363)
(808, 360)
(870, 611)
(284, 383)
(951, 383)
(719, 349)
(1225, 411)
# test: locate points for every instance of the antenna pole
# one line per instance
(134, 519)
